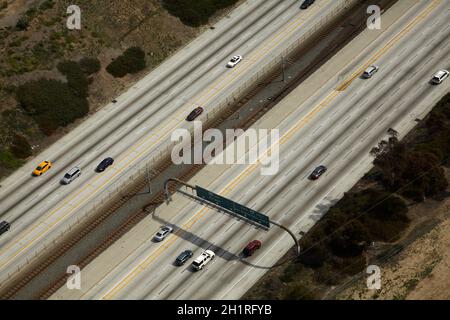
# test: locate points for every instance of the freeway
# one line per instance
(138, 126)
(337, 125)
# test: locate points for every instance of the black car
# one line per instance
(306, 4)
(105, 164)
(194, 113)
(320, 170)
(4, 227)
(183, 257)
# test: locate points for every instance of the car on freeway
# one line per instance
(370, 71)
(306, 4)
(183, 257)
(320, 170)
(194, 114)
(104, 164)
(162, 233)
(439, 76)
(203, 259)
(251, 247)
(42, 168)
(234, 61)
(4, 227)
(71, 175)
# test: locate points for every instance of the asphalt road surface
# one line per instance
(139, 124)
(336, 125)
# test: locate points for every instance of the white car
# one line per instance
(439, 76)
(369, 72)
(71, 175)
(234, 61)
(203, 259)
(162, 234)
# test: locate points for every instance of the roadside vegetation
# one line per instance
(51, 76)
(196, 12)
(405, 174)
(131, 61)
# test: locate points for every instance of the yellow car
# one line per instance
(42, 167)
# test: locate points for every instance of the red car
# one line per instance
(194, 113)
(251, 247)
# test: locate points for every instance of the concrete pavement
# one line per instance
(329, 126)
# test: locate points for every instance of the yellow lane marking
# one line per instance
(227, 77)
(393, 41)
(251, 168)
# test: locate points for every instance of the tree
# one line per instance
(90, 65)
(195, 12)
(299, 292)
(131, 61)
(51, 103)
(350, 240)
(76, 78)
(22, 24)
(20, 147)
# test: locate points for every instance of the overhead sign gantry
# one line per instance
(233, 208)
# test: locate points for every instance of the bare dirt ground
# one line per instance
(11, 11)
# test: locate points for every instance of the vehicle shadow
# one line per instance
(201, 243)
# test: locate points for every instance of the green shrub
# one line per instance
(22, 24)
(76, 78)
(48, 4)
(51, 103)
(351, 224)
(8, 160)
(350, 240)
(20, 147)
(195, 12)
(131, 61)
(90, 65)
(314, 257)
(299, 292)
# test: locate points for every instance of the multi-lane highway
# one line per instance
(139, 124)
(336, 123)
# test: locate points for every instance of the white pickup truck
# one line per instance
(203, 259)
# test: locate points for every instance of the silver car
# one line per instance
(71, 175)
(234, 61)
(369, 72)
(440, 76)
(162, 234)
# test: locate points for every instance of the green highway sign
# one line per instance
(234, 207)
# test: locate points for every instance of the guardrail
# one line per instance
(138, 174)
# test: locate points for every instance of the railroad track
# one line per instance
(93, 223)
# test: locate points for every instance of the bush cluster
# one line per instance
(195, 12)
(76, 78)
(20, 147)
(131, 61)
(415, 168)
(51, 103)
(340, 238)
(90, 65)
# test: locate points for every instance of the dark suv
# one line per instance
(194, 114)
(306, 4)
(183, 257)
(4, 226)
(104, 164)
(320, 170)
(251, 247)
